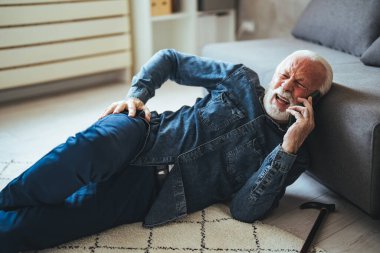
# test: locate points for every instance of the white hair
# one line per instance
(325, 87)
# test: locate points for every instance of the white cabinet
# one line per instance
(44, 41)
(186, 30)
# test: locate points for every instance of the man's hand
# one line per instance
(298, 132)
(131, 104)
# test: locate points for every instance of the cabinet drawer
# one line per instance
(36, 12)
(65, 69)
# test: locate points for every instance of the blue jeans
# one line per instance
(81, 187)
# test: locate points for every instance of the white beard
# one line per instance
(272, 110)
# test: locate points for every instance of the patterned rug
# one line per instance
(209, 230)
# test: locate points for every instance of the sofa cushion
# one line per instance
(372, 55)
(349, 26)
(250, 52)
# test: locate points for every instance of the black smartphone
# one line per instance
(315, 95)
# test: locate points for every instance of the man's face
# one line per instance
(295, 77)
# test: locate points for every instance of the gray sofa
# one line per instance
(345, 145)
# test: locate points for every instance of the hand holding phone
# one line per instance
(297, 134)
(315, 95)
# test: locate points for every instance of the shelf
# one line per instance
(174, 16)
(214, 12)
(186, 30)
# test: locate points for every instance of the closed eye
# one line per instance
(300, 85)
(284, 76)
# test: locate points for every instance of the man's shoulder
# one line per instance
(253, 80)
(243, 69)
(243, 73)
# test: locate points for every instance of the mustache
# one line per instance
(285, 94)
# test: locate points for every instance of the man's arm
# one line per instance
(280, 168)
(265, 187)
(169, 64)
(179, 67)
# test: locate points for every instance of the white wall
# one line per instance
(273, 18)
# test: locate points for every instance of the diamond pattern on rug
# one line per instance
(206, 231)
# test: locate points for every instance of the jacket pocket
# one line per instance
(244, 160)
(220, 112)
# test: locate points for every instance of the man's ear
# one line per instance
(316, 95)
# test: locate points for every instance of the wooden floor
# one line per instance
(29, 129)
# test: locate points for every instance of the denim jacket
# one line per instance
(223, 148)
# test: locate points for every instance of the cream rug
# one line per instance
(209, 230)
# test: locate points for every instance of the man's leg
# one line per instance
(91, 156)
(124, 198)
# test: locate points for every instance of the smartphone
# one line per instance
(315, 95)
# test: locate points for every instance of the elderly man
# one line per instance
(232, 145)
